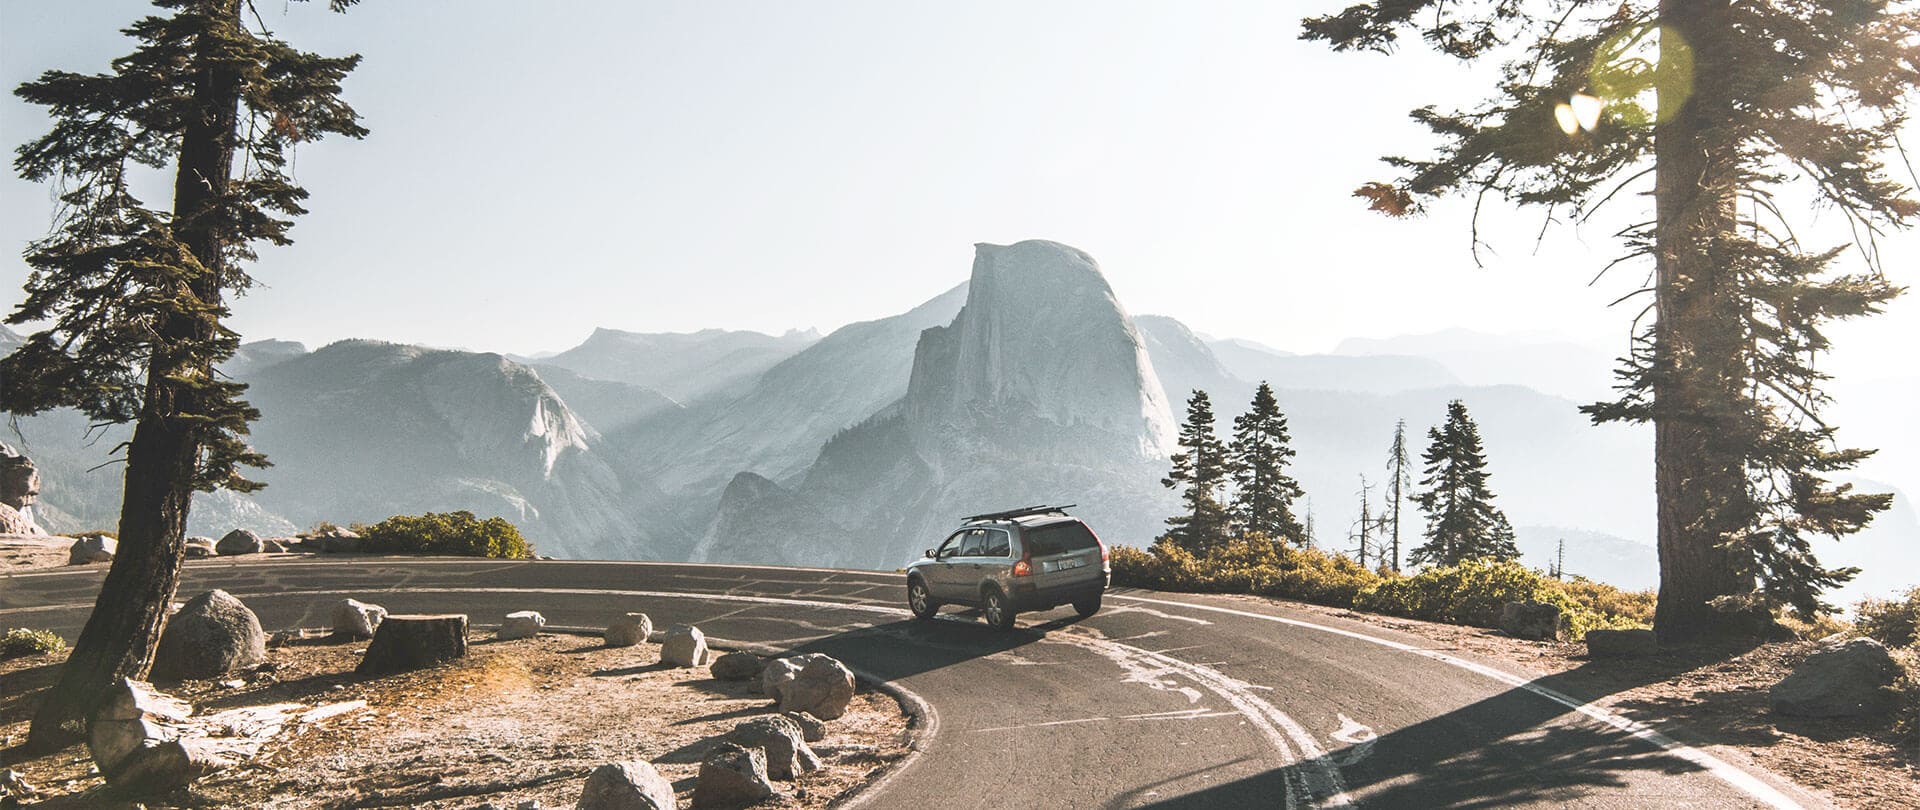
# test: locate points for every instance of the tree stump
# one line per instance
(407, 642)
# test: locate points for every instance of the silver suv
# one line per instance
(1008, 562)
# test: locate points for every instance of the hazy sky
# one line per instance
(539, 169)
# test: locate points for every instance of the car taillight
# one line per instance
(1101, 543)
(1023, 568)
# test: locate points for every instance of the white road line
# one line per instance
(1734, 776)
(1193, 714)
(1358, 737)
(1317, 784)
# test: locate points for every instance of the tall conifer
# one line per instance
(1399, 482)
(130, 299)
(1462, 522)
(1722, 116)
(1200, 472)
(1257, 458)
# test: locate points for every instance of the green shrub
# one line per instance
(1906, 713)
(1474, 591)
(20, 641)
(1469, 593)
(451, 533)
(1605, 599)
(1253, 565)
(1893, 622)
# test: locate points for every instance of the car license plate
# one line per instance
(1066, 565)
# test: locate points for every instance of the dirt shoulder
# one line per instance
(1713, 698)
(22, 553)
(513, 721)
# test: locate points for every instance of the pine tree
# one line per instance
(1720, 113)
(131, 298)
(1462, 522)
(1363, 528)
(1257, 458)
(1399, 480)
(1313, 539)
(1202, 470)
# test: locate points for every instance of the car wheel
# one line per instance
(1087, 607)
(1000, 612)
(919, 600)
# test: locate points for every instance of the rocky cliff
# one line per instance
(361, 430)
(1039, 390)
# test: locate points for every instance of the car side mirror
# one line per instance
(930, 554)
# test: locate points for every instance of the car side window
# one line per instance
(975, 545)
(949, 548)
(999, 544)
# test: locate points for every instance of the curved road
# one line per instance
(1161, 701)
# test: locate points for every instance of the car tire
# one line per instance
(920, 600)
(999, 610)
(1087, 607)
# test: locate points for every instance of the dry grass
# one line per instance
(513, 721)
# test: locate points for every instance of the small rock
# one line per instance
(1621, 643)
(14, 785)
(1847, 680)
(334, 540)
(92, 548)
(629, 630)
(199, 547)
(737, 666)
(135, 743)
(240, 541)
(823, 687)
(731, 776)
(213, 634)
(811, 728)
(626, 786)
(685, 646)
(134, 714)
(275, 545)
(1533, 619)
(353, 618)
(406, 642)
(781, 740)
(521, 624)
(778, 673)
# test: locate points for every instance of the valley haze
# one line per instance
(1030, 382)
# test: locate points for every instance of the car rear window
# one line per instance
(1059, 538)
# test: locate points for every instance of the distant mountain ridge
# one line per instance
(681, 365)
(1030, 382)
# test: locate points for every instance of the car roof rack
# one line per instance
(1021, 512)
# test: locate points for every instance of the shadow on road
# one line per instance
(909, 647)
(1508, 749)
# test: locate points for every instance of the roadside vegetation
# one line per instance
(1470, 593)
(1238, 532)
(452, 533)
(1896, 623)
(20, 642)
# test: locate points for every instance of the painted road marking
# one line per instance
(1745, 782)
(1359, 739)
(1188, 714)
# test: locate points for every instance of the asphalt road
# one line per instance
(1161, 701)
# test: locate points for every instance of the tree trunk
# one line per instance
(163, 459)
(1698, 356)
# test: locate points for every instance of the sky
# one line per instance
(537, 170)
